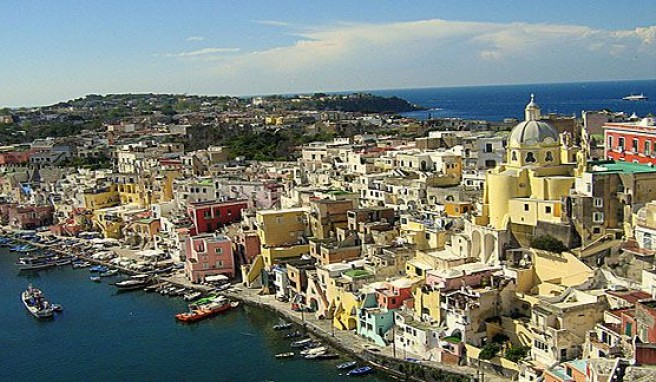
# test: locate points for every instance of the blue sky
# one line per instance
(57, 50)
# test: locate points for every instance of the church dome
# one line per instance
(532, 131)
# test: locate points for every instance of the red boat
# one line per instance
(213, 308)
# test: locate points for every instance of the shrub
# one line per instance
(548, 243)
(515, 353)
(489, 351)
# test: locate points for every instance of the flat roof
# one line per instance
(620, 166)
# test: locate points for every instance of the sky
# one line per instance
(52, 51)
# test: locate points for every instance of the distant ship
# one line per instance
(636, 97)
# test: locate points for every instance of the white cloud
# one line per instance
(195, 38)
(273, 23)
(202, 52)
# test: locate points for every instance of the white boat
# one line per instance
(134, 282)
(192, 296)
(636, 97)
(35, 303)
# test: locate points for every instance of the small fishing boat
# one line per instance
(35, 303)
(317, 350)
(109, 273)
(95, 279)
(364, 370)
(285, 355)
(301, 343)
(293, 334)
(33, 265)
(98, 269)
(81, 264)
(134, 282)
(191, 295)
(57, 308)
(346, 365)
(282, 326)
(327, 355)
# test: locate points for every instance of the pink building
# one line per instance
(208, 255)
(473, 275)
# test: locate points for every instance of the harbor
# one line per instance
(347, 344)
(111, 335)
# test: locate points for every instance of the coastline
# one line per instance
(344, 341)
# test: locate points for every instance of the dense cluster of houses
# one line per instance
(530, 253)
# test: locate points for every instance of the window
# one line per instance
(547, 209)
(647, 147)
(598, 202)
(530, 157)
(488, 147)
(514, 155)
(540, 345)
(598, 217)
(548, 157)
(610, 142)
(620, 144)
(526, 207)
(219, 264)
(563, 355)
(218, 251)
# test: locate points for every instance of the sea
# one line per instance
(495, 103)
(104, 335)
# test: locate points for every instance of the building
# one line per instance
(631, 141)
(283, 233)
(208, 255)
(212, 215)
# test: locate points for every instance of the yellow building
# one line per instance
(101, 198)
(523, 197)
(283, 233)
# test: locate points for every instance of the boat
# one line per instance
(346, 365)
(282, 326)
(234, 304)
(33, 266)
(636, 97)
(293, 334)
(177, 292)
(98, 269)
(134, 282)
(35, 303)
(111, 272)
(322, 356)
(95, 278)
(57, 308)
(285, 355)
(364, 370)
(81, 264)
(317, 350)
(201, 312)
(301, 343)
(191, 295)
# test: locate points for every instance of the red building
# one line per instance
(631, 141)
(394, 293)
(26, 216)
(209, 216)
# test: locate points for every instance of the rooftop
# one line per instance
(620, 166)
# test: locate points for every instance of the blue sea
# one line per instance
(103, 335)
(494, 103)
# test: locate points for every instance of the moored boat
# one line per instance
(95, 279)
(192, 295)
(30, 265)
(285, 355)
(198, 313)
(111, 272)
(301, 343)
(364, 370)
(35, 303)
(134, 282)
(282, 326)
(346, 365)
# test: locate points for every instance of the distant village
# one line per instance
(523, 246)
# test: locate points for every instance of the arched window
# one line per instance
(514, 155)
(549, 157)
(530, 158)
